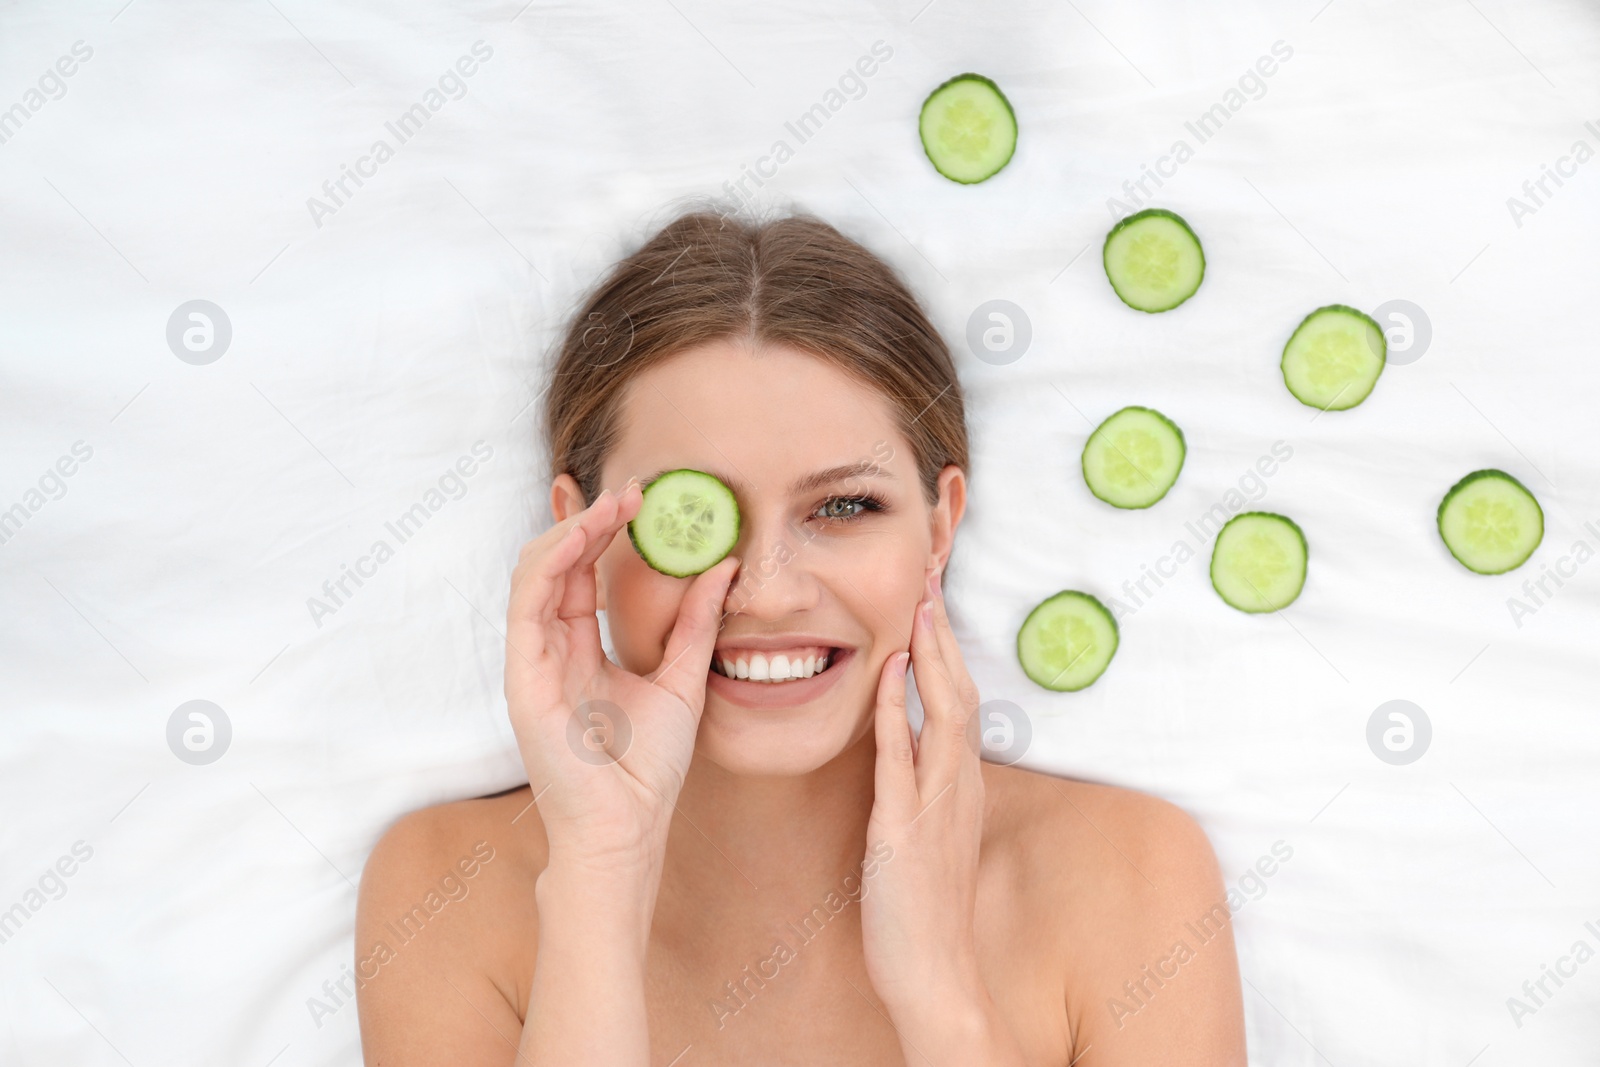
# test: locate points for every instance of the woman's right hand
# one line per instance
(606, 750)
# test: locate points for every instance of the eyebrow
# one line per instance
(808, 483)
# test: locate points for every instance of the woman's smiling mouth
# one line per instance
(774, 666)
(775, 672)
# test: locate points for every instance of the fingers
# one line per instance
(536, 584)
(949, 697)
(609, 513)
(688, 653)
(894, 775)
(966, 690)
(939, 746)
(600, 522)
(949, 649)
(554, 577)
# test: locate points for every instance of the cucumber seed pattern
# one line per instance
(1153, 260)
(1064, 640)
(1492, 525)
(687, 525)
(1331, 362)
(1134, 458)
(1262, 562)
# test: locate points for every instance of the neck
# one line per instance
(777, 844)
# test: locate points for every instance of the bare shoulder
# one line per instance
(1076, 828)
(507, 819)
(1129, 887)
(447, 900)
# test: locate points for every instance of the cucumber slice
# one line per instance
(1067, 642)
(1259, 562)
(1132, 459)
(1490, 522)
(1334, 357)
(968, 129)
(1153, 260)
(688, 522)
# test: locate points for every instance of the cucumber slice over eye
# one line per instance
(1334, 357)
(1067, 642)
(1153, 260)
(968, 129)
(1490, 522)
(688, 522)
(1259, 562)
(1133, 458)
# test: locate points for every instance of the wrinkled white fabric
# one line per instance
(379, 335)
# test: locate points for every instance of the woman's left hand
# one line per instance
(917, 916)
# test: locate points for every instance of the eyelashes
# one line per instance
(841, 510)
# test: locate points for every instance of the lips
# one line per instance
(774, 667)
(792, 658)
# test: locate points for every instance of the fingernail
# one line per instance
(901, 661)
(925, 609)
(938, 588)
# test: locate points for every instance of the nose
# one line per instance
(775, 578)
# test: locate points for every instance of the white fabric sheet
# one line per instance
(376, 340)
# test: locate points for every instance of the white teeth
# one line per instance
(780, 667)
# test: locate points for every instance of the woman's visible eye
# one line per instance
(848, 508)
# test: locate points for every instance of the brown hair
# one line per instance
(792, 280)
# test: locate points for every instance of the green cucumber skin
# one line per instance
(1153, 212)
(1116, 635)
(1183, 455)
(1348, 310)
(1488, 472)
(634, 540)
(1304, 547)
(1015, 127)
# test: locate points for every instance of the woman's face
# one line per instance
(836, 544)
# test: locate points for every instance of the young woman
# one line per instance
(709, 868)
